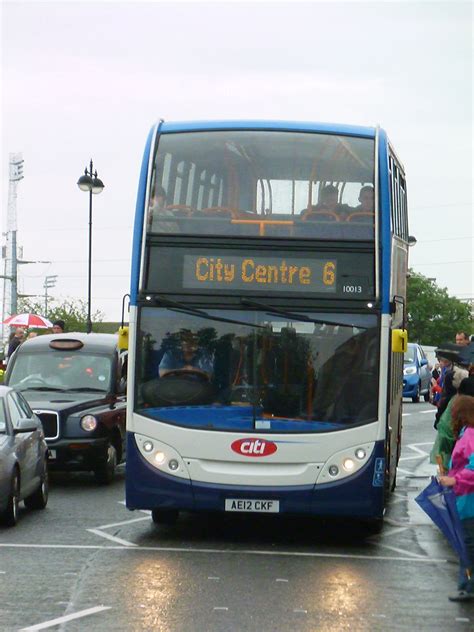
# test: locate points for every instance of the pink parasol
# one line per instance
(28, 320)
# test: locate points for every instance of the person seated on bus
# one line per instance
(328, 201)
(157, 212)
(187, 357)
(366, 199)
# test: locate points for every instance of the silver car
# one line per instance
(23, 457)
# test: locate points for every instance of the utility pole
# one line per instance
(9, 253)
(49, 282)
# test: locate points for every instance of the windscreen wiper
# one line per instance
(292, 316)
(86, 389)
(194, 311)
(41, 388)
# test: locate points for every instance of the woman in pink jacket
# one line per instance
(461, 478)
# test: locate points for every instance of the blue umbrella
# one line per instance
(440, 504)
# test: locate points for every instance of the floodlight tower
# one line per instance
(9, 253)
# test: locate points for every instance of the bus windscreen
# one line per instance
(254, 370)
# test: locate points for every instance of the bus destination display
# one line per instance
(287, 274)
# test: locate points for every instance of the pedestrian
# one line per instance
(452, 378)
(444, 441)
(461, 478)
(462, 338)
(16, 338)
(59, 327)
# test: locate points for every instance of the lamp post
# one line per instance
(90, 182)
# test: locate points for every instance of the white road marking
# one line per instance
(176, 549)
(220, 608)
(281, 580)
(69, 617)
(300, 610)
(380, 616)
(427, 412)
(107, 536)
(119, 524)
(389, 532)
(411, 458)
(406, 414)
(462, 619)
(216, 579)
(403, 551)
(415, 448)
(399, 469)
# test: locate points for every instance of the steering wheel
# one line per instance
(30, 379)
(202, 376)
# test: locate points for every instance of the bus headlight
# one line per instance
(348, 465)
(161, 456)
(88, 423)
(345, 463)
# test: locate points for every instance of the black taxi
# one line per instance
(76, 384)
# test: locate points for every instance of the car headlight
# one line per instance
(89, 423)
(410, 370)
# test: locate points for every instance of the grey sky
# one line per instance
(82, 80)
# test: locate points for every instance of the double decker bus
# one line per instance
(266, 320)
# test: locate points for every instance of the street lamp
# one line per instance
(90, 182)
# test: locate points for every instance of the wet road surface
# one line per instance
(86, 563)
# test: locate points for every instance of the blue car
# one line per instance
(416, 374)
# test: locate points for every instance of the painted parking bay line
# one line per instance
(70, 617)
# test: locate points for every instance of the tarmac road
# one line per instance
(86, 563)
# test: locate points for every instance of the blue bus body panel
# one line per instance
(138, 225)
(385, 233)
(360, 496)
(293, 126)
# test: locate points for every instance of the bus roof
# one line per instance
(293, 126)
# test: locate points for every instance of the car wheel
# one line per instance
(105, 472)
(10, 516)
(39, 498)
(165, 516)
(416, 398)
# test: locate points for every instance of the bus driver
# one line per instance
(188, 357)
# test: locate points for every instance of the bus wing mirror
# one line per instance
(123, 338)
(399, 340)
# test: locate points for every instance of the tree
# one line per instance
(73, 312)
(434, 317)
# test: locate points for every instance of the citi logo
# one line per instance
(254, 447)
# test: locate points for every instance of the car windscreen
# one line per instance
(245, 369)
(61, 370)
(410, 355)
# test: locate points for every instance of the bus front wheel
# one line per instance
(164, 516)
